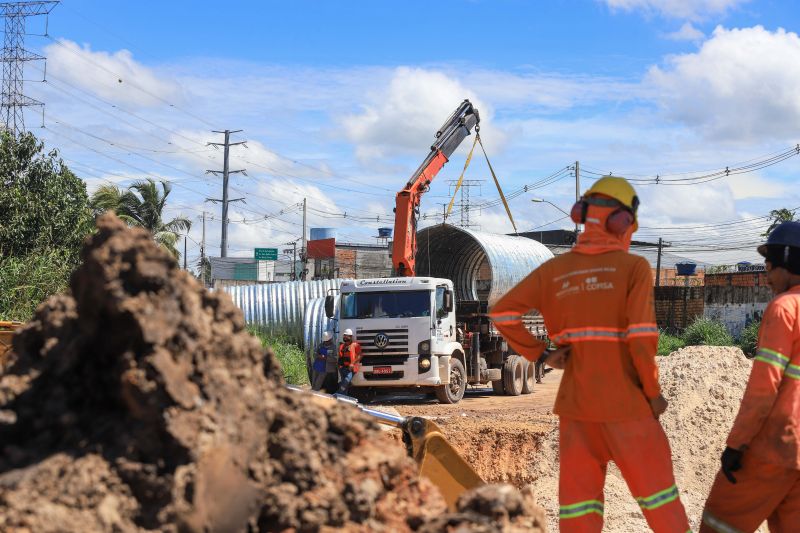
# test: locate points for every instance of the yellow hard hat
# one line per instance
(618, 189)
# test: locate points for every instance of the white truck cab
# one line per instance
(408, 333)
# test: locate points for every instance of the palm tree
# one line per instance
(777, 216)
(142, 205)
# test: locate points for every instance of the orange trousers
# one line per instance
(641, 451)
(763, 491)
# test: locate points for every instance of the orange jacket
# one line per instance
(351, 357)
(601, 304)
(768, 423)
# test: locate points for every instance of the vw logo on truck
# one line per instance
(381, 340)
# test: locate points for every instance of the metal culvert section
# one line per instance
(315, 323)
(278, 308)
(482, 266)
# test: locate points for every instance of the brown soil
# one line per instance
(139, 402)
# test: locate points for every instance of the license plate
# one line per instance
(382, 370)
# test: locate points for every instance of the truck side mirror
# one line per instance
(448, 301)
(329, 306)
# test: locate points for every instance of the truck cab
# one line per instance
(408, 334)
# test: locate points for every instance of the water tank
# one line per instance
(686, 269)
(385, 232)
(744, 266)
(318, 234)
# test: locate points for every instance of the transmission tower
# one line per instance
(13, 101)
(464, 205)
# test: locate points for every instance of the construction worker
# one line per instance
(597, 304)
(320, 367)
(760, 475)
(349, 360)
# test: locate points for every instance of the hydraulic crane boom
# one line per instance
(455, 129)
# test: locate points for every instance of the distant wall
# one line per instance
(677, 307)
(736, 299)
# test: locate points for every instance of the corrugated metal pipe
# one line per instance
(279, 308)
(482, 266)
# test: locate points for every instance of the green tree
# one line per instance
(142, 204)
(43, 205)
(44, 217)
(777, 216)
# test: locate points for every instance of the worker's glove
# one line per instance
(731, 462)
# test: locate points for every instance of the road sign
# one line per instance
(266, 254)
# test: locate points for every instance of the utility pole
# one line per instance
(203, 252)
(184, 253)
(658, 263)
(303, 249)
(226, 172)
(13, 100)
(577, 192)
(464, 205)
(293, 275)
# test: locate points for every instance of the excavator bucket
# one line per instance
(438, 460)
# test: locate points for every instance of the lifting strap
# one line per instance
(461, 177)
(497, 183)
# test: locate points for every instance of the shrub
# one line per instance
(707, 332)
(748, 339)
(669, 343)
(27, 281)
(289, 354)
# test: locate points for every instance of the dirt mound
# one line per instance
(139, 402)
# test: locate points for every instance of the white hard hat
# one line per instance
(326, 336)
(348, 331)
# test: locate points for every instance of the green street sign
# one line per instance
(266, 254)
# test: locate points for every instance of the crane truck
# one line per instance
(412, 331)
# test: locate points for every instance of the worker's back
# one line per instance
(598, 304)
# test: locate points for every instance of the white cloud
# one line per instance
(704, 203)
(687, 32)
(743, 84)
(405, 114)
(112, 76)
(746, 186)
(682, 9)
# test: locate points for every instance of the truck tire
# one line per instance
(453, 392)
(497, 387)
(528, 375)
(513, 375)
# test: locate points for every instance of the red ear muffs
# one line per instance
(578, 212)
(617, 222)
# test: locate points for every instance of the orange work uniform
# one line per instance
(350, 356)
(767, 428)
(598, 299)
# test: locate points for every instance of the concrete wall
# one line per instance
(736, 299)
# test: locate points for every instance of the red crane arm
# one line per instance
(455, 129)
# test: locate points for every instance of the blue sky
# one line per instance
(340, 100)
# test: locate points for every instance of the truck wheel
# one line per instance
(453, 392)
(529, 375)
(497, 387)
(513, 376)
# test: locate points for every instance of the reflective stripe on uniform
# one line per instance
(589, 334)
(658, 499)
(793, 371)
(718, 525)
(642, 330)
(581, 509)
(506, 318)
(771, 357)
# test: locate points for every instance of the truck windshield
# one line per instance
(386, 304)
